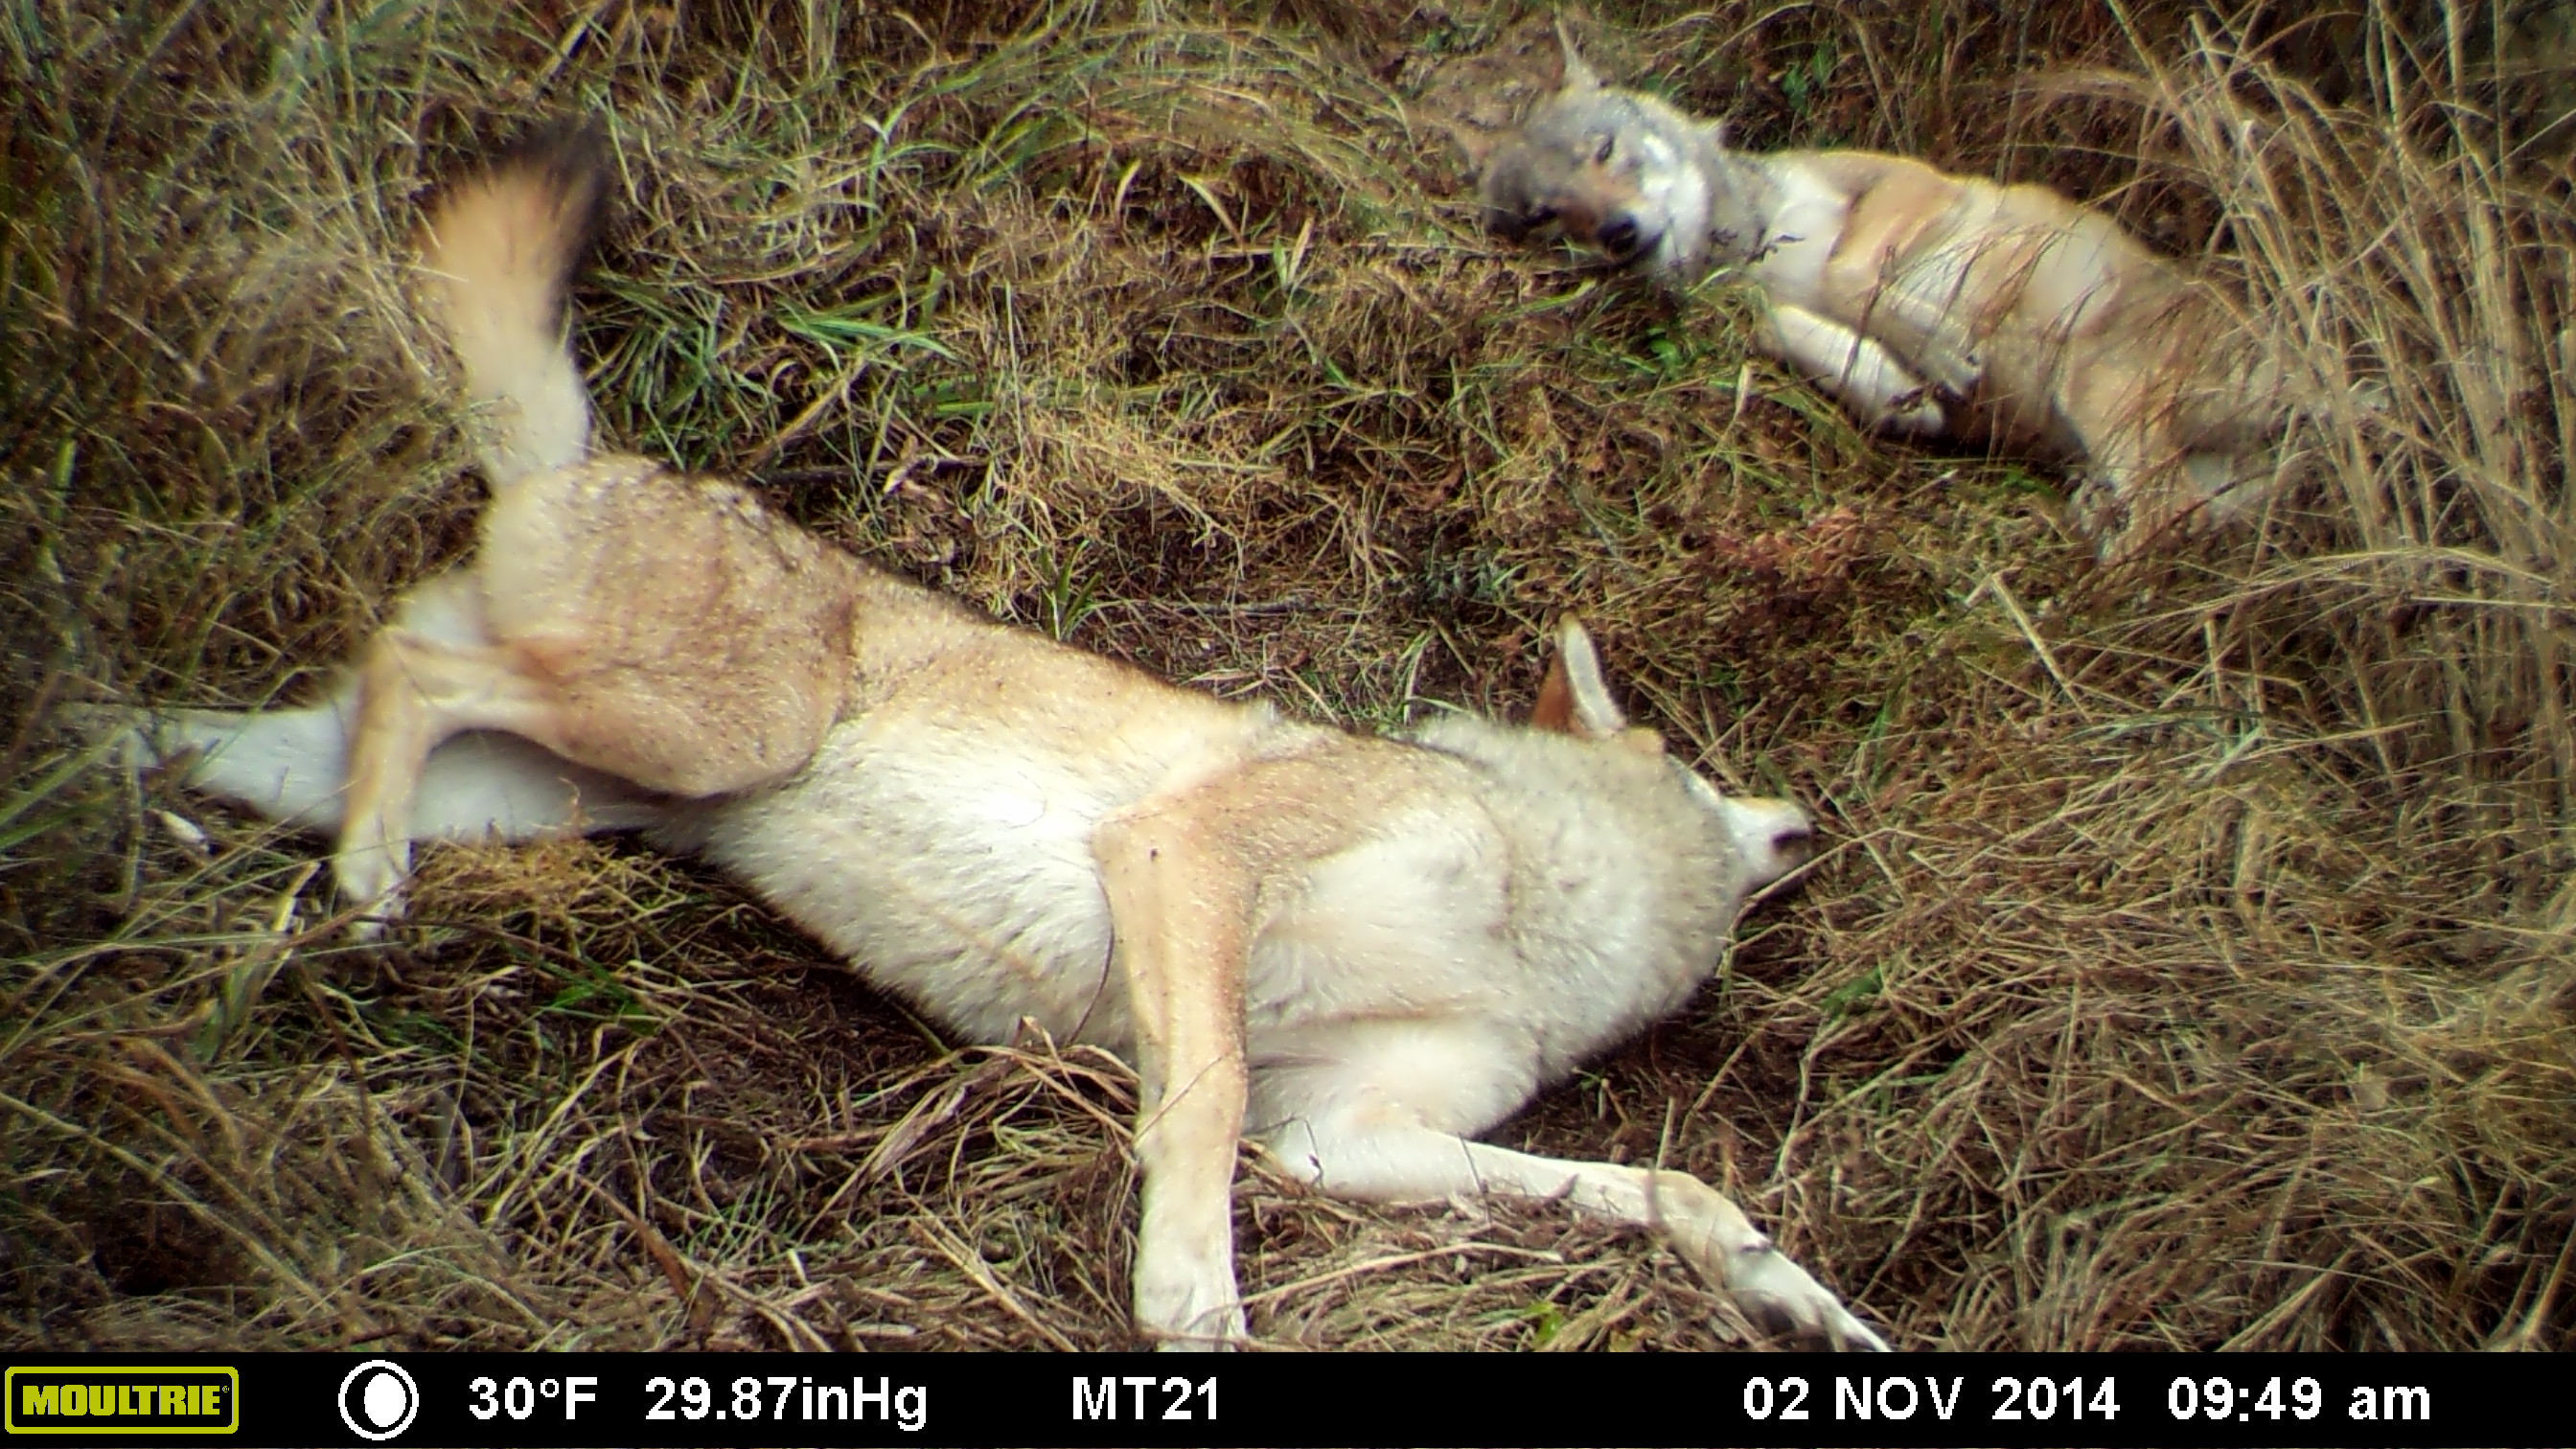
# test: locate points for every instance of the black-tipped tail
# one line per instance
(499, 249)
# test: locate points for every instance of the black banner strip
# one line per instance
(700, 1400)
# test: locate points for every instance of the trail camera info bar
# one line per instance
(701, 1400)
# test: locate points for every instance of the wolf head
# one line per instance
(1770, 835)
(1625, 174)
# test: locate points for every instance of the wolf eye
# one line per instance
(1602, 156)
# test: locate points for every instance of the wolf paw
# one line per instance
(1188, 1305)
(1778, 1292)
(2100, 514)
(370, 883)
(1916, 413)
(1215, 1338)
(1198, 1326)
(124, 735)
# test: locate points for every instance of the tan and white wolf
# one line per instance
(1361, 952)
(1926, 303)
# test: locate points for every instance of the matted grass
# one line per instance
(2188, 964)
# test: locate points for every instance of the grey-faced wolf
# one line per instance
(1360, 952)
(1928, 304)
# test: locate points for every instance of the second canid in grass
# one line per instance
(1360, 952)
(1926, 303)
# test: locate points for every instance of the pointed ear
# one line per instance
(1577, 76)
(1574, 700)
(1555, 708)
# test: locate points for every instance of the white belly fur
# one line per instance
(952, 868)
(958, 872)
(953, 865)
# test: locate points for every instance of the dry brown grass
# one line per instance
(2189, 966)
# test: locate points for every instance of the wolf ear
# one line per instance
(1577, 76)
(1573, 699)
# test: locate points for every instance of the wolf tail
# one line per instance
(498, 253)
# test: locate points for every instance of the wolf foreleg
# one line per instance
(1372, 1154)
(1181, 909)
(1854, 370)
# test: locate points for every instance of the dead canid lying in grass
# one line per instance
(1928, 304)
(1364, 951)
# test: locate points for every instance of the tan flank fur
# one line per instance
(1359, 952)
(1928, 304)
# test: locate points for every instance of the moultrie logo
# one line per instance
(119, 1400)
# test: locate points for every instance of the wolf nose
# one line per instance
(1775, 836)
(1617, 236)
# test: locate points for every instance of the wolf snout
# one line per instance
(1620, 237)
(1775, 836)
(1793, 846)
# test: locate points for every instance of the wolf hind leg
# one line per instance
(286, 764)
(416, 693)
(291, 765)
(1856, 372)
(2234, 485)
(1379, 1151)
(2140, 485)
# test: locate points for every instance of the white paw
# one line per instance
(369, 878)
(1215, 1331)
(1768, 1285)
(2097, 507)
(1916, 415)
(1188, 1311)
(126, 735)
(1214, 1340)
(1212, 1328)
